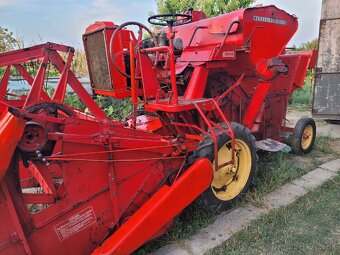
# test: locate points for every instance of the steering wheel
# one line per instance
(169, 19)
(137, 42)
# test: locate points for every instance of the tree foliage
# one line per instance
(310, 45)
(7, 40)
(210, 7)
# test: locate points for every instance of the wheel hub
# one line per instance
(34, 138)
(229, 180)
(307, 136)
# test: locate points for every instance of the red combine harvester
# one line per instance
(203, 90)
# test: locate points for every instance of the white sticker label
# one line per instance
(75, 223)
(228, 54)
(270, 20)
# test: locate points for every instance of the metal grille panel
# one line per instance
(97, 60)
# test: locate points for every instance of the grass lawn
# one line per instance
(274, 170)
(311, 225)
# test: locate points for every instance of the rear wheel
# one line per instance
(303, 136)
(232, 181)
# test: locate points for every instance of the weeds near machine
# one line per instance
(303, 96)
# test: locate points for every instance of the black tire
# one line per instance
(52, 108)
(303, 137)
(206, 150)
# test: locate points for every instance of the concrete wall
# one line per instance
(326, 101)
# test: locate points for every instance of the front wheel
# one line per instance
(303, 136)
(232, 181)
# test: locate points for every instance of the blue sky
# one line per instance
(63, 21)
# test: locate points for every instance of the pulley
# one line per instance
(34, 138)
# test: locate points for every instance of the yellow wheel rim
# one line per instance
(307, 137)
(230, 180)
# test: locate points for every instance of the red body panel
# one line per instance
(11, 129)
(252, 34)
(161, 207)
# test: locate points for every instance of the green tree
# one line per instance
(310, 45)
(210, 7)
(7, 40)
